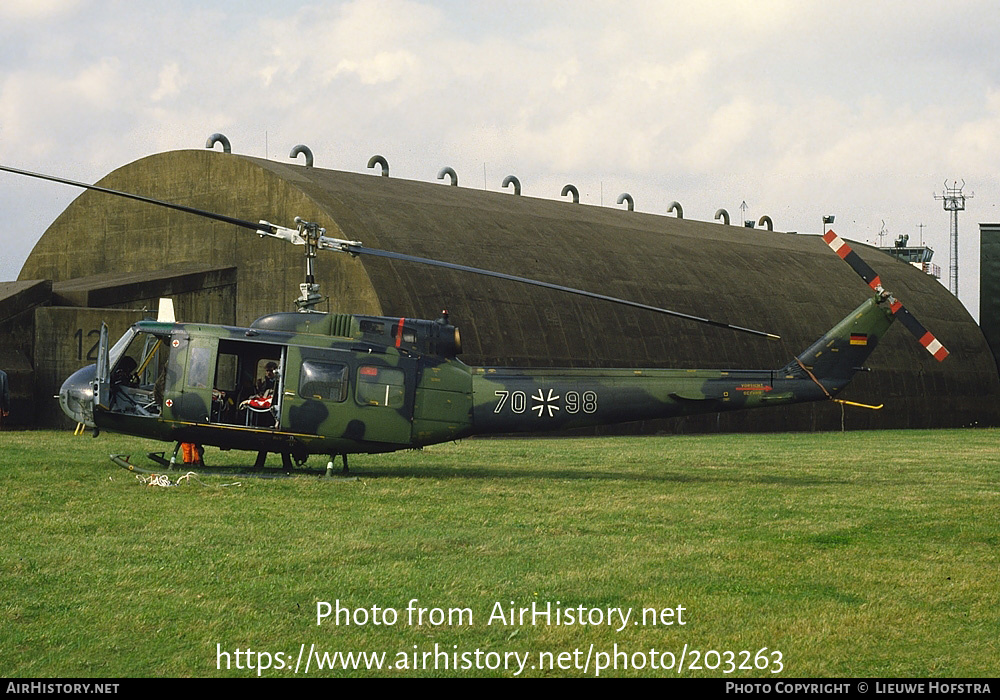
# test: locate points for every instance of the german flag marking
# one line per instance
(859, 339)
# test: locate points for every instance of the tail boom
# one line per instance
(513, 400)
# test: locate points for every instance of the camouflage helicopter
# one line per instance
(345, 383)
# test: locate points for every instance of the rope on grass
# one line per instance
(161, 480)
(164, 481)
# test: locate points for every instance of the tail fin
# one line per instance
(833, 360)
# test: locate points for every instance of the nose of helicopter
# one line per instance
(76, 396)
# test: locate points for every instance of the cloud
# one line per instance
(35, 10)
(169, 84)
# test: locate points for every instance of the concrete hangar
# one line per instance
(108, 259)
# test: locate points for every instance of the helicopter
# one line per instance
(340, 384)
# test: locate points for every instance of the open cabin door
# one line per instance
(226, 381)
(102, 378)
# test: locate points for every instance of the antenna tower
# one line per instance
(954, 201)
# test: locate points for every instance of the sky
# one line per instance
(795, 109)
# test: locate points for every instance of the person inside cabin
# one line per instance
(266, 385)
(262, 401)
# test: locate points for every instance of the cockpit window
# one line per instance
(141, 362)
(138, 373)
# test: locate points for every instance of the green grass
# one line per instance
(857, 554)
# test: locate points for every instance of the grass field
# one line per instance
(853, 554)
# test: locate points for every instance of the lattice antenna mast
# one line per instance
(954, 201)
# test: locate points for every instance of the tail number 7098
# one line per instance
(546, 403)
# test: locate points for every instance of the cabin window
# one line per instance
(199, 370)
(380, 386)
(118, 348)
(323, 380)
(226, 371)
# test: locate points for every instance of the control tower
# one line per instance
(918, 256)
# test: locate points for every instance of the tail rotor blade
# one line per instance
(847, 254)
(923, 336)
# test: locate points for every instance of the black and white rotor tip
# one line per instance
(923, 336)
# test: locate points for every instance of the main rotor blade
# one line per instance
(137, 197)
(362, 250)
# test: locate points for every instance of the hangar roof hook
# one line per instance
(676, 206)
(219, 138)
(511, 180)
(379, 160)
(766, 220)
(575, 192)
(302, 149)
(626, 197)
(724, 215)
(446, 170)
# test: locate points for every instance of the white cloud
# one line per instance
(170, 82)
(383, 67)
(34, 10)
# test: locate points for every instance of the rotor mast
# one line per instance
(309, 295)
(311, 235)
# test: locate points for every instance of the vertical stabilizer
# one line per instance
(839, 354)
